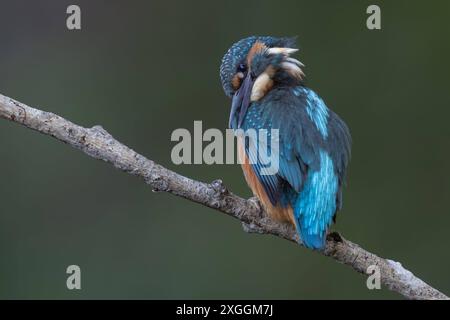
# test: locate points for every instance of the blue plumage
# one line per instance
(314, 150)
(313, 142)
(315, 205)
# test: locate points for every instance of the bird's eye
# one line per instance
(242, 67)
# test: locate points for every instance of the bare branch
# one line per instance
(99, 144)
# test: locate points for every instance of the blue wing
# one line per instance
(314, 149)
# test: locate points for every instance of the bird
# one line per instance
(268, 91)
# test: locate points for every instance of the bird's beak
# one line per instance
(240, 102)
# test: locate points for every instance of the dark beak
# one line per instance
(240, 103)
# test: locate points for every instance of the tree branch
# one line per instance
(99, 144)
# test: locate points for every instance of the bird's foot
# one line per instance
(255, 203)
(258, 210)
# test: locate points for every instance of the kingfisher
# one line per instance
(267, 88)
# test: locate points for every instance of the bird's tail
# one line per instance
(312, 240)
(311, 229)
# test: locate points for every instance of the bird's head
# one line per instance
(255, 65)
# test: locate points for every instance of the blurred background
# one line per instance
(144, 68)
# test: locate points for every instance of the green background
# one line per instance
(144, 68)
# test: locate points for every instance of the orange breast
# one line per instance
(277, 212)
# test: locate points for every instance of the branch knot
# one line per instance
(219, 187)
(158, 183)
